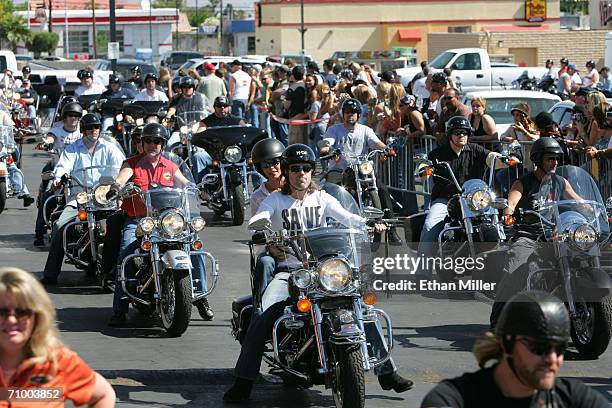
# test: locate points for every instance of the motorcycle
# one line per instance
(114, 107)
(473, 215)
(83, 236)
(139, 113)
(574, 230)
(320, 338)
(163, 282)
(523, 82)
(227, 182)
(549, 84)
(7, 148)
(187, 124)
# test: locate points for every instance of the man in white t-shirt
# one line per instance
(239, 90)
(298, 207)
(88, 87)
(151, 93)
(591, 78)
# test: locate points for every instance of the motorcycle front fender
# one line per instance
(176, 259)
(594, 284)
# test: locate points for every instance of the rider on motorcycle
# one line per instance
(352, 137)
(150, 92)
(114, 91)
(529, 345)
(189, 101)
(29, 97)
(297, 207)
(90, 150)
(546, 153)
(136, 80)
(149, 167)
(16, 175)
(88, 87)
(467, 161)
(221, 116)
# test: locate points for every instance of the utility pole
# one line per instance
(221, 28)
(197, 27)
(50, 25)
(113, 30)
(151, 28)
(176, 27)
(93, 16)
(302, 32)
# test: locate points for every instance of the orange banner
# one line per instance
(535, 10)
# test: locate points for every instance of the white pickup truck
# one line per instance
(472, 68)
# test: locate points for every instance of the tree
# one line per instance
(13, 29)
(574, 7)
(43, 42)
(197, 18)
(179, 4)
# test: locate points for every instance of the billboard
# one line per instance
(535, 10)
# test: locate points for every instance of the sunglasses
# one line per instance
(269, 163)
(543, 348)
(69, 115)
(19, 313)
(149, 140)
(92, 127)
(447, 97)
(460, 133)
(306, 168)
(136, 140)
(221, 106)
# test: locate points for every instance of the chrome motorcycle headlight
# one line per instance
(480, 200)
(100, 195)
(198, 224)
(584, 237)
(334, 274)
(302, 278)
(82, 198)
(146, 224)
(233, 154)
(366, 168)
(173, 223)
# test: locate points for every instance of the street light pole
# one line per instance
(113, 30)
(150, 28)
(197, 27)
(302, 31)
(50, 25)
(93, 15)
(176, 27)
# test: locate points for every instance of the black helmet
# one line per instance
(439, 78)
(84, 73)
(590, 64)
(135, 68)
(535, 314)
(187, 82)
(266, 149)
(151, 75)
(26, 69)
(458, 122)
(564, 61)
(351, 105)
(298, 153)
(89, 121)
(544, 145)
(156, 131)
(222, 100)
(347, 74)
(550, 61)
(136, 132)
(72, 107)
(176, 81)
(112, 78)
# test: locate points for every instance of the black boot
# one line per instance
(240, 391)
(118, 319)
(27, 201)
(394, 239)
(39, 240)
(204, 309)
(395, 381)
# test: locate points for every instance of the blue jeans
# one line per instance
(264, 273)
(239, 108)
(128, 244)
(53, 266)
(254, 115)
(434, 224)
(17, 180)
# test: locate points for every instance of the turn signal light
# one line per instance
(146, 245)
(511, 162)
(392, 152)
(215, 163)
(120, 127)
(369, 298)
(250, 161)
(183, 141)
(303, 305)
(197, 245)
(509, 220)
(429, 171)
(9, 159)
(83, 215)
(382, 158)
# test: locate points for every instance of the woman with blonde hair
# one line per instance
(483, 124)
(195, 75)
(165, 80)
(30, 347)
(393, 122)
(597, 109)
(362, 93)
(381, 107)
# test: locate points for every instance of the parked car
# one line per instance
(23, 57)
(174, 59)
(197, 63)
(124, 65)
(499, 104)
(472, 68)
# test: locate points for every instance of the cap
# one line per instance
(521, 107)
(572, 66)
(388, 76)
(209, 66)
(408, 100)
(221, 101)
(237, 62)
(544, 120)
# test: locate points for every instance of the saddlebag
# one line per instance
(242, 310)
(412, 229)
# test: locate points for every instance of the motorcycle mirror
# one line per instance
(372, 213)
(500, 203)
(260, 225)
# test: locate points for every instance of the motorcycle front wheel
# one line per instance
(237, 204)
(175, 301)
(2, 195)
(348, 380)
(592, 327)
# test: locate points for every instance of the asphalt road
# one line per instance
(433, 335)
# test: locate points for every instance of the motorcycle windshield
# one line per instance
(215, 140)
(141, 109)
(160, 199)
(191, 118)
(344, 197)
(571, 206)
(349, 243)
(88, 178)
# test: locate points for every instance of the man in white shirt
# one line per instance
(239, 89)
(88, 151)
(151, 93)
(88, 87)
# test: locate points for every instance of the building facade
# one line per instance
(379, 25)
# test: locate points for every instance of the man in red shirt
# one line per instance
(149, 167)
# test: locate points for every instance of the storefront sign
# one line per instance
(605, 12)
(535, 10)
